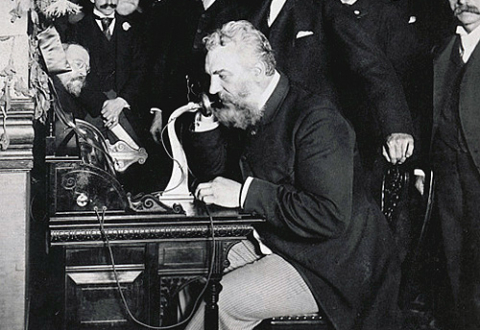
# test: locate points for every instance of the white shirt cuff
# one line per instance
(418, 172)
(263, 248)
(204, 124)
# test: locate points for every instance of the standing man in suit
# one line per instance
(324, 244)
(310, 36)
(456, 159)
(117, 63)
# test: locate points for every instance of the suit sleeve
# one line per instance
(368, 61)
(206, 153)
(319, 203)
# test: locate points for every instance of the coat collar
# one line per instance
(276, 99)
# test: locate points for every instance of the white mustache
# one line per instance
(466, 9)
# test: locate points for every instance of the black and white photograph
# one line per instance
(240, 164)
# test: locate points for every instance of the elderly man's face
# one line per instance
(467, 12)
(232, 78)
(106, 7)
(79, 61)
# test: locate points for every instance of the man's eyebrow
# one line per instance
(219, 71)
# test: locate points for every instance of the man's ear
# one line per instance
(258, 69)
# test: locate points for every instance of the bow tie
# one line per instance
(102, 17)
(106, 21)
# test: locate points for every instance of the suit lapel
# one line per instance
(275, 101)
(96, 35)
(442, 64)
(120, 40)
(282, 31)
(469, 109)
(259, 18)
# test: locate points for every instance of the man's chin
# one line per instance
(75, 88)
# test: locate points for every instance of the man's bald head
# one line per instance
(79, 61)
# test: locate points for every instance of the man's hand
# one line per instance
(220, 191)
(111, 111)
(156, 127)
(398, 147)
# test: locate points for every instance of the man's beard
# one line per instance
(467, 9)
(236, 112)
(75, 85)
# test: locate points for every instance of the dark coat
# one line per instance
(129, 66)
(469, 97)
(307, 186)
(309, 60)
(68, 102)
(398, 39)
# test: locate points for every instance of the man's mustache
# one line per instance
(466, 9)
(111, 5)
(81, 79)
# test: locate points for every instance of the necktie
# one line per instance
(105, 21)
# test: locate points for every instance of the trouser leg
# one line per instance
(458, 206)
(470, 273)
(264, 288)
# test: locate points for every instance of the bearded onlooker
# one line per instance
(69, 84)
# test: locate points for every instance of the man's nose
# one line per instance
(214, 85)
(82, 72)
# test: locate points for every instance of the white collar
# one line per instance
(102, 15)
(348, 2)
(207, 3)
(275, 8)
(469, 41)
(269, 90)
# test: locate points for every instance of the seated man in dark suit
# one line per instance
(69, 85)
(276, 150)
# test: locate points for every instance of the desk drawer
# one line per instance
(93, 256)
(185, 256)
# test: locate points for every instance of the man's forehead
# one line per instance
(226, 57)
(75, 52)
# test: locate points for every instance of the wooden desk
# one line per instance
(155, 254)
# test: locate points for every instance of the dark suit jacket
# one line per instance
(469, 97)
(307, 186)
(333, 34)
(399, 40)
(129, 61)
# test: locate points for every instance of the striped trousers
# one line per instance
(257, 287)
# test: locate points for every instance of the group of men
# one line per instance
(281, 143)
